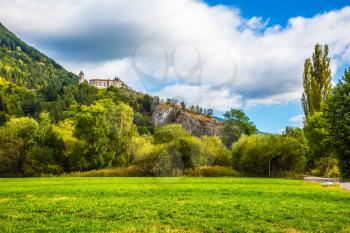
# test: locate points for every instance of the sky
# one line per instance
(218, 54)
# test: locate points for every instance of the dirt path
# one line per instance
(344, 185)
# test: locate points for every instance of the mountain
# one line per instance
(219, 118)
(197, 124)
(25, 66)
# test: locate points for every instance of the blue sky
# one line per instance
(216, 53)
(279, 12)
(276, 117)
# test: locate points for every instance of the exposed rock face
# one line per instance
(197, 125)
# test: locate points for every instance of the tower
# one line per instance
(81, 77)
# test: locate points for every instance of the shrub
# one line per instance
(168, 133)
(327, 167)
(262, 155)
(213, 171)
(157, 162)
(131, 171)
(170, 158)
(215, 151)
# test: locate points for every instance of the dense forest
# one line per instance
(50, 124)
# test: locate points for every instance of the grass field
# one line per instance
(171, 205)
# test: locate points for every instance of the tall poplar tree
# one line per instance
(316, 80)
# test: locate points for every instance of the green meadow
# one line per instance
(171, 205)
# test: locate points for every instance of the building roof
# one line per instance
(81, 73)
(98, 79)
(104, 79)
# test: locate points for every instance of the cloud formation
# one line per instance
(297, 121)
(207, 55)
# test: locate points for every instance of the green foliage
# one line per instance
(317, 135)
(327, 167)
(106, 128)
(190, 152)
(317, 80)
(169, 133)
(175, 151)
(336, 114)
(272, 155)
(236, 124)
(85, 94)
(25, 66)
(317, 88)
(15, 100)
(30, 148)
(144, 124)
(215, 151)
(157, 162)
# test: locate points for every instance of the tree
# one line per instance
(299, 135)
(317, 88)
(85, 94)
(46, 155)
(190, 151)
(236, 123)
(107, 129)
(316, 80)
(192, 108)
(16, 138)
(183, 105)
(210, 112)
(147, 103)
(197, 110)
(30, 148)
(336, 113)
(315, 131)
(215, 151)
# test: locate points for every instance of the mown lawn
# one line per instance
(171, 205)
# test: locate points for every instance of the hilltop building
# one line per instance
(81, 77)
(102, 83)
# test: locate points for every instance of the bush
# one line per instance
(263, 155)
(188, 151)
(215, 151)
(131, 171)
(168, 133)
(327, 167)
(170, 158)
(213, 171)
(157, 162)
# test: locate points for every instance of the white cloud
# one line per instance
(297, 121)
(203, 95)
(181, 48)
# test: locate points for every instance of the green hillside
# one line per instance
(26, 66)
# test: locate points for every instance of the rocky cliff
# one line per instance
(197, 124)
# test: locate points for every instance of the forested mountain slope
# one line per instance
(31, 82)
(26, 66)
